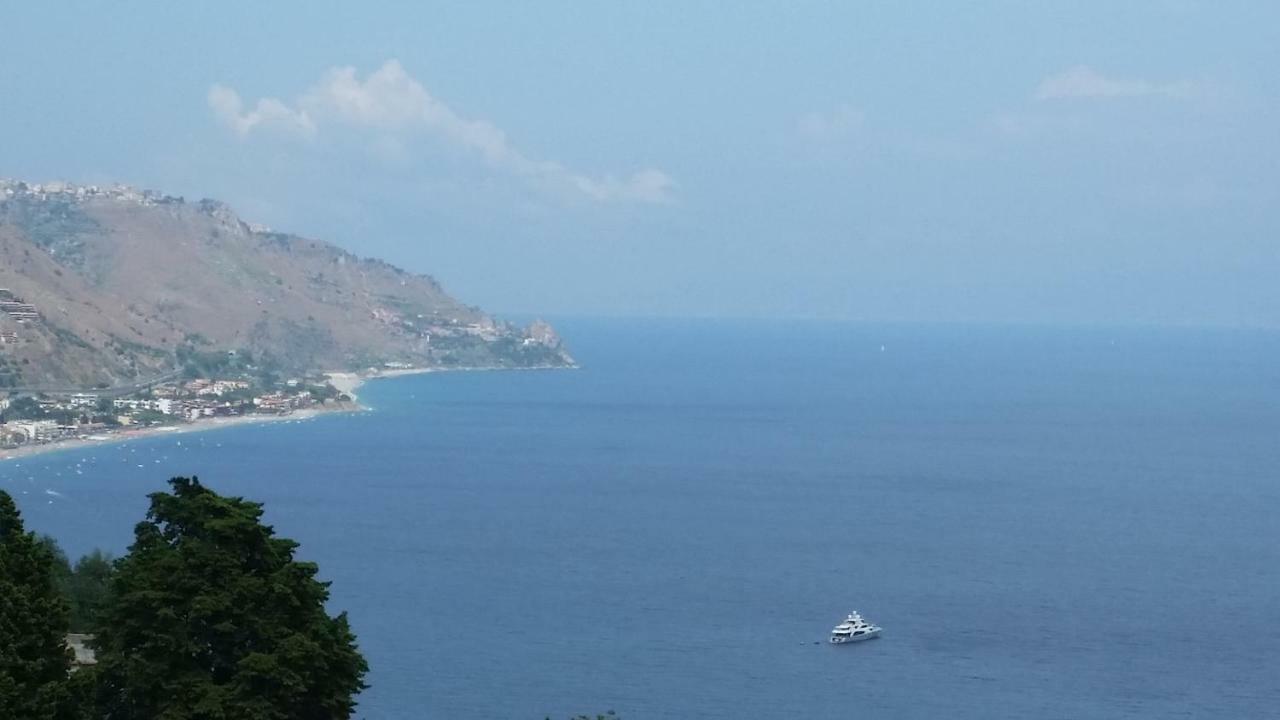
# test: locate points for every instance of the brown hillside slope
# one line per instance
(122, 280)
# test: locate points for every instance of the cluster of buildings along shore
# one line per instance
(39, 420)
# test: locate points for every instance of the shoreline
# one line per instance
(123, 436)
(344, 382)
(350, 382)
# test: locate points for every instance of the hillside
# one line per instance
(112, 286)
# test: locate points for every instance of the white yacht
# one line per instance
(854, 629)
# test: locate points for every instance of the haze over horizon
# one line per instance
(996, 162)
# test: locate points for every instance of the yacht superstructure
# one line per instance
(854, 629)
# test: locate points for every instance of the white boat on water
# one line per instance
(854, 629)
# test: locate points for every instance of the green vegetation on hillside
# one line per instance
(198, 361)
(10, 372)
(56, 224)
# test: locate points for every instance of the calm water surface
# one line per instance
(1048, 523)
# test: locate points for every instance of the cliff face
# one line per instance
(110, 286)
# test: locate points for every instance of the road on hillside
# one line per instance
(110, 392)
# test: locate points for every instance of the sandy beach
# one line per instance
(350, 382)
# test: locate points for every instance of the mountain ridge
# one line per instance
(106, 286)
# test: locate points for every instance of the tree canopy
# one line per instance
(34, 660)
(210, 617)
(83, 586)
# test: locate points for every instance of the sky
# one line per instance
(1026, 162)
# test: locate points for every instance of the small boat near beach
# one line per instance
(854, 629)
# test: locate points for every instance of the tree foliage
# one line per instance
(59, 565)
(34, 660)
(83, 586)
(87, 589)
(210, 617)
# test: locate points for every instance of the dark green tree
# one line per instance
(87, 589)
(84, 586)
(210, 617)
(61, 568)
(34, 660)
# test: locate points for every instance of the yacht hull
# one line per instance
(844, 640)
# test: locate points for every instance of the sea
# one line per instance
(1048, 522)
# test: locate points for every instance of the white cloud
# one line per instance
(390, 100)
(1082, 81)
(830, 125)
(269, 112)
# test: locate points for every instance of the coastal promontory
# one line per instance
(106, 287)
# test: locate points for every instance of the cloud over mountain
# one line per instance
(391, 101)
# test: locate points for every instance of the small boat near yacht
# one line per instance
(854, 629)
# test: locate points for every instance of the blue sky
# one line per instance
(1087, 162)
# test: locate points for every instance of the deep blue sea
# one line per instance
(1048, 523)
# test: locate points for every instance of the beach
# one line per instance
(112, 438)
(350, 382)
(344, 382)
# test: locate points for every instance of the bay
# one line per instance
(1048, 522)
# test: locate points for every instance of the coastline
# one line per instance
(122, 436)
(344, 382)
(350, 382)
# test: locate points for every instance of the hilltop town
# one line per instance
(10, 188)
